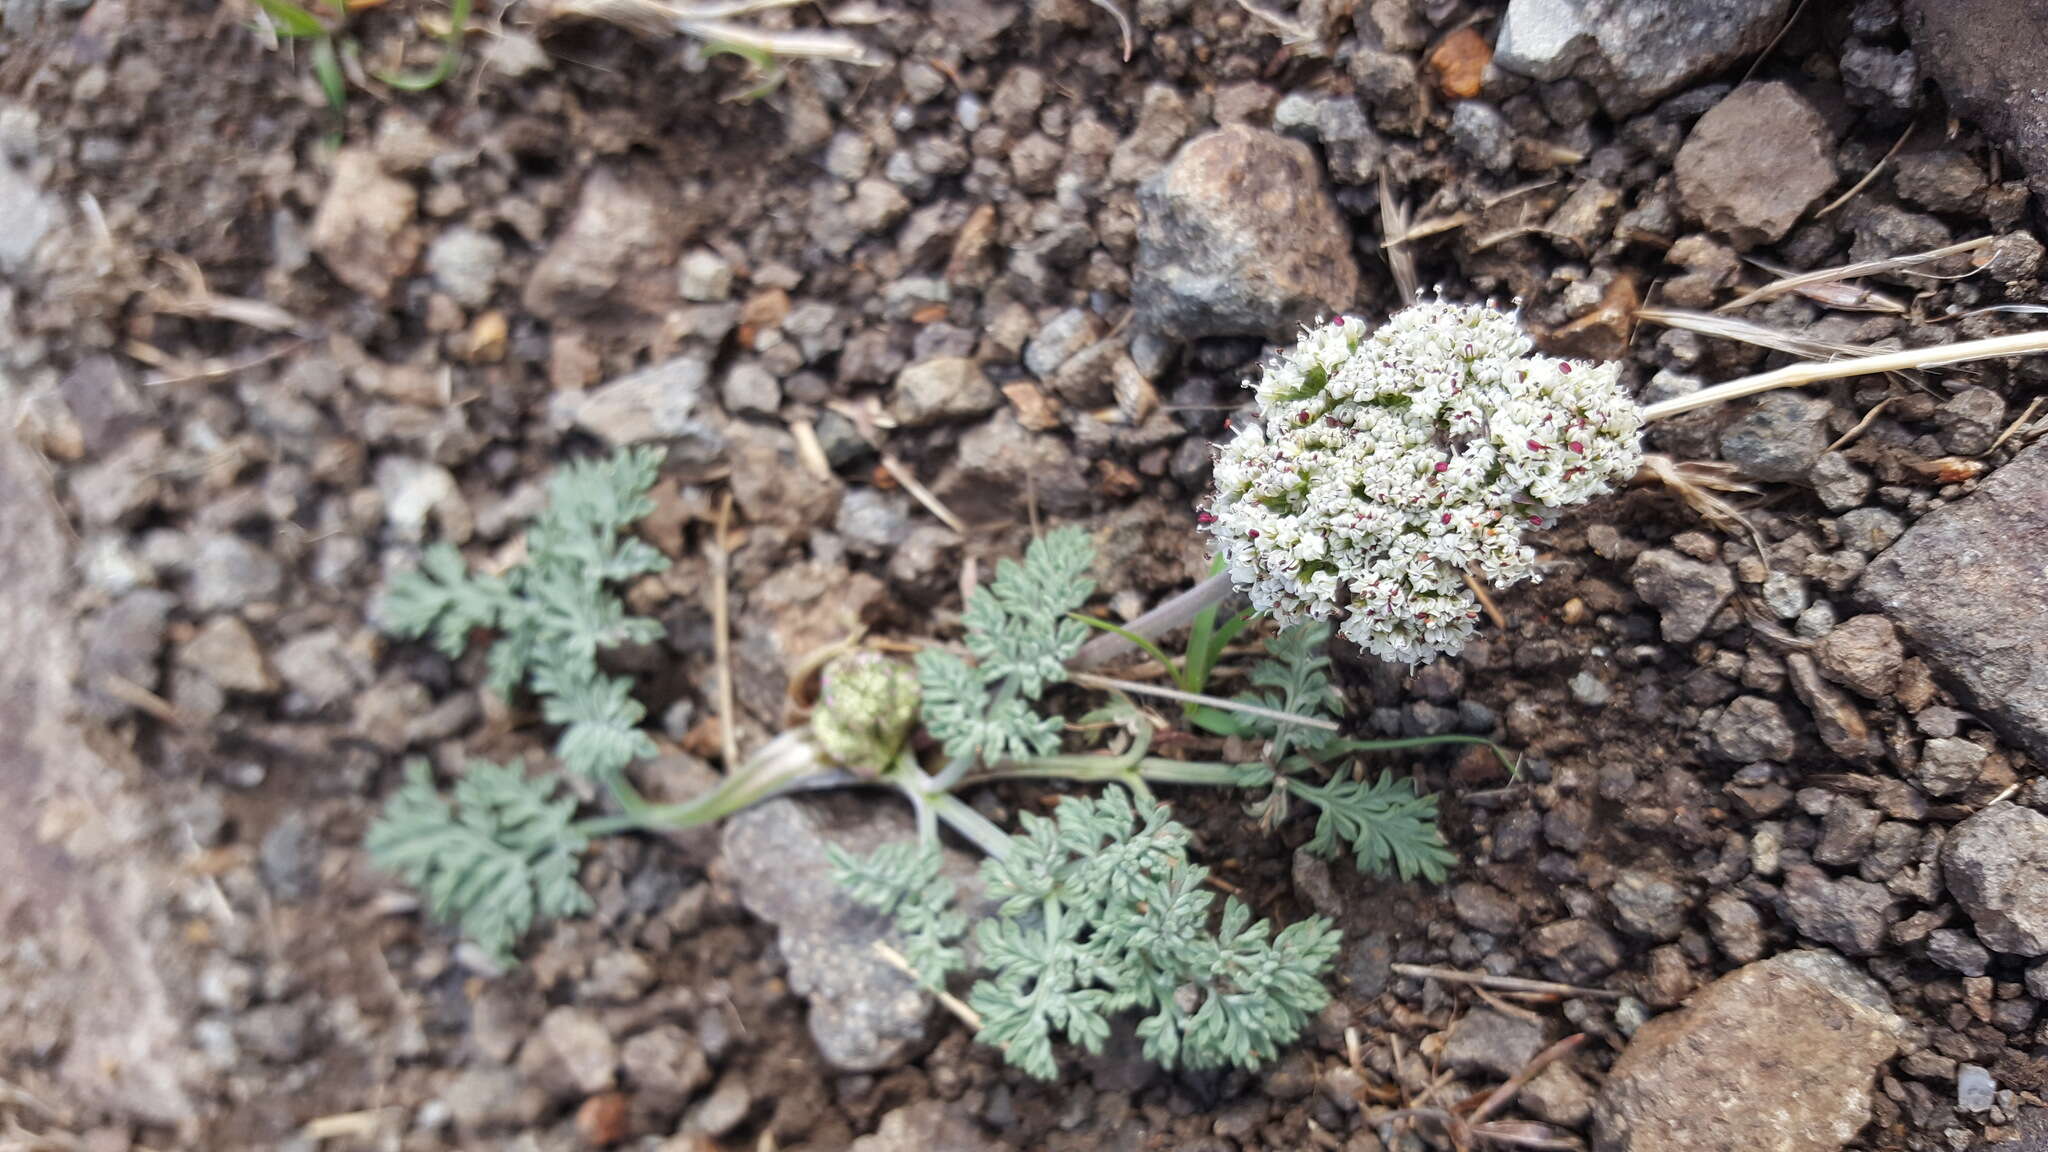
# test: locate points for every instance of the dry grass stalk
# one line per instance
(1750, 332)
(715, 21)
(1792, 376)
(1850, 271)
(922, 494)
(1860, 185)
(947, 1000)
(2016, 425)
(1394, 222)
(721, 634)
(1696, 482)
(1853, 433)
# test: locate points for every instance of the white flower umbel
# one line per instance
(1386, 465)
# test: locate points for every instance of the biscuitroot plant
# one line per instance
(1098, 909)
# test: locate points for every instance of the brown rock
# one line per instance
(1459, 62)
(1863, 652)
(618, 252)
(1755, 163)
(363, 230)
(1238, 236)
(1780, 1055)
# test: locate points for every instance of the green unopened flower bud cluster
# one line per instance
(866, 709)
(1387, 464)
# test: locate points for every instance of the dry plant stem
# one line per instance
(1792, 376)
(1860, 185)
(1176, 612)
(1136, 688)
(1850, 271)
(721, 634)
(1853, 433)
(947, 1000)
(1544, 1059)
(2016, 425)
(922, 494)
(1485, 599)
(1500, 983)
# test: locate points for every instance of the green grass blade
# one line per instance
(327, 69)
(291, 20)
(451, 55)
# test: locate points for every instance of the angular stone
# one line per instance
(1648, 905)
(1686, 592)
(1779, 1055)
(1779, 439)
(864, 1014)
(665, 402)
(927, 1126)
(363, 230)
(1489, 1041)
(1238, 236)
(618, 252)
(1996, 866)
(224, 652)
(1755, 163)
(1969, 600)
(941, 389)
(1853, 915)
(1633, 52)
(1985, 55)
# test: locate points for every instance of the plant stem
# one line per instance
(1090, 680)
(961, 818)
(788, 763)
(1791, 376)
(1176, 611)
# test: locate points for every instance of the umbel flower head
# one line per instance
(1385, 465)
(865, 711)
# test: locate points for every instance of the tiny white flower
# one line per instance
(1386, 464)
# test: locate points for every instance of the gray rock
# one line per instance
(751, 387)
(1839, 484)
(1480, 131)
(1846, 833)
(570, 1055)
(927, 1126)
(1969, 601)
(665, 1067)
(1713, 1077)
(229, 573)
(224, 652)
(1941, 179)
(1736, 925)
(123, 641)
(864, 1014)
(1486, 908)
(1779, 439)
(616, 256)
(1752, 728)
(464, 263)
(1576, 950)
(320, 669)
(1976, 1091)
(1863, 652)
(873, 522)
(113, 487)
(1647, 905)
(987, 479)
(722, 1111)
(484, 1098)
(1059, 338)
(289, 858)
(1949, 765)
(704, 276)
(1558, 1095)
(1687, 593)
(1852, 915)
(29, 212)
(665, 402)
(1755, 163)
(1489, 1041)
(1870, 530)
(1841, 724)
(947, 388)
(1984, 55)
(1970, 421)
(1996, 866)
(1633, 52)
(1238, 236)
(1957, 951)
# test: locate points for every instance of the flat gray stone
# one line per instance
(1966, 584)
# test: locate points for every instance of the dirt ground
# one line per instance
(259, 351)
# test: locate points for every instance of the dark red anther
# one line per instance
(1333, 422)
(1578, 448)
(1252, 535)
(1536, 520)
(1443, 465)
(1304, 415)
(1536, 446)
(1447, 518)
(1564, 368)
(1204, 518)
(1337, 322)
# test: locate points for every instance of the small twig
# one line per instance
(2004, 795)
(1868, 418)
(1123, 22)
(136, 696)
(923, 495)
(1394, 222)
(1506, 1009)
(2019, 344)
(1851, 271)
(1110, 683)
(360, 1125)
(1493, 612)
(2015, 425)
(1860, 185)
(212, 369)
(721, 633)
(950, 1002)
(1544, 1059)
(1500, 983)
